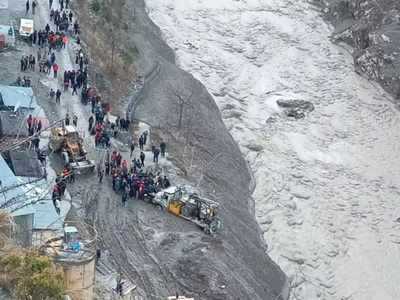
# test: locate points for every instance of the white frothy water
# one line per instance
(328, 194)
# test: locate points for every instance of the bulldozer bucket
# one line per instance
(83, 167)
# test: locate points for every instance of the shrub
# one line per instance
(31, 275)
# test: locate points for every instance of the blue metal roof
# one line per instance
(45, 216)
(8, 179)
(17, 96)
(20, 97)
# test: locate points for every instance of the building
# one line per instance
(7, 36)
(75, 252)
(16, 104)
(28, 199)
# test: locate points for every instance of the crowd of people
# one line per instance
(25, 81)
(34, 125)
(130, 178)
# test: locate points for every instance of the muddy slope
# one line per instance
(234, 264)
(372, 28)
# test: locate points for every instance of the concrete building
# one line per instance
(75, 252)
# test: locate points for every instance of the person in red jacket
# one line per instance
(55, 70)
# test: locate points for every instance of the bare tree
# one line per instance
(184, 103)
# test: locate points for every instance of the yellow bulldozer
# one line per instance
(66, 141)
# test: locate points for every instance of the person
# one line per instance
(118, 288)
(75, 88)
(29, 121)
(114, 179)
(64, 41)
(163, 147)
(41, 155)
(27, 7)
(39, 126)
(67, 119)
(141, 143)
(58, 96)
(52, 94)
(156, 153)
(75, 120)
(132, 147)
(166, 182)
(142, 157)
(145, 137)
(100, 175)
(56, 196)
(50, 3)
(35, 142)
(33, 6)
(98, 255)
(107, 167)
(124, 196)
(91, 120)
(55, 70)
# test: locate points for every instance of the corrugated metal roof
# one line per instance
(45, 216)
(17, 96)
(20, 97)
(8, 179)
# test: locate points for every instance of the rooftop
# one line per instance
(20, 97)
(24, 163)
(26, 195)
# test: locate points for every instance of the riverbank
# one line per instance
(326, 191)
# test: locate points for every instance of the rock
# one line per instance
(375, 37)
(296, 108)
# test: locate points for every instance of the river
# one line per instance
(327, 186)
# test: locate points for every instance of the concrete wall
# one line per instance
(80, 278)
